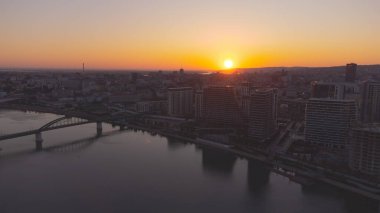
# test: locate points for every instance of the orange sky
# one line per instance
(199, 34)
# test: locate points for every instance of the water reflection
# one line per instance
(217, 162)
(321, 190)
(355, 203)
(257, 176)
(175, 144)
(9, 155)
(68, 146)
(76, 145)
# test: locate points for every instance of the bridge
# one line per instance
(69, 120)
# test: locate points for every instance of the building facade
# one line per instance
(327, 90)
(153, 107)
(365, 150)
(180, 102)
(328, 122)
(245, 106)
(334, 90)
(351, 72)
(243, 95)
(370, 104)
(220, 107)
(198, 105)
(262, 113)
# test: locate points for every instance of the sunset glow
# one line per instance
(196, 35)
(228, 64)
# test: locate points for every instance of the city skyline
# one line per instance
(197, 35)
(310, 128)
(190, 106)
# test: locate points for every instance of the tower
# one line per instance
(263, 113)
(351, 72)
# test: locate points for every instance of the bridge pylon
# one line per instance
(39, 141)
(99, 128)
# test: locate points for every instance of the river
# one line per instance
(135, 171)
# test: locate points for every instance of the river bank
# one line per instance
(272, 164)
(129, 170)
(238, 152)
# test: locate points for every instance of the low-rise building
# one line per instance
(180, 102)
(152, 107)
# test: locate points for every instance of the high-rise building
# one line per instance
(244, 89)
(351, 72)
(198, 105)
(263, 113)
(334, 90)
(180, 102)
(327, 90)
(243, 95)
(220, 107)
(245, 106)
(370, 104)
(328, 122)
(365, 149)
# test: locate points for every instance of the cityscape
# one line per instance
(87, 136)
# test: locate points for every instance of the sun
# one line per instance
(228, 64)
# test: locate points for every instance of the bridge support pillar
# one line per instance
(39, 141)
(99, 128)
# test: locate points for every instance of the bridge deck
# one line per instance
(114, 120)
(32, 132)
(18, 134)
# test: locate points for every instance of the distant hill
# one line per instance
(369, 68)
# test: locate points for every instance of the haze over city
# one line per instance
(190, 106)
(196, 35)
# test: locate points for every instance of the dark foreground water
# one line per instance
(136, 172)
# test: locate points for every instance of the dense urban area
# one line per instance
(309, 124)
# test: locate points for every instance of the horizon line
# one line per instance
(167, 70)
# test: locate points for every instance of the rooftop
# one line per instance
(180, 88)
(373, 127)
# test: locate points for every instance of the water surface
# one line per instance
(134, 171)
